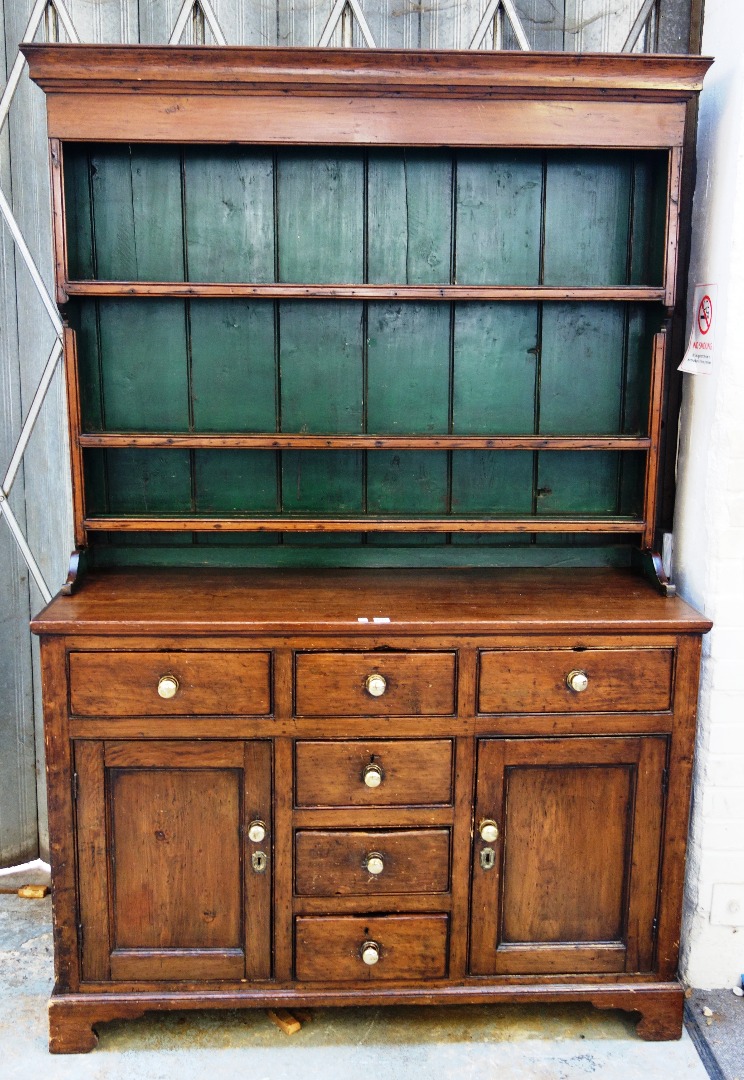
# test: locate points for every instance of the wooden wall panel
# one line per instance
(18, 830)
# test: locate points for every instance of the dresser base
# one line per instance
(73, 1018)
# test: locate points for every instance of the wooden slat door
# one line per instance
(168, 887)
(573, 883)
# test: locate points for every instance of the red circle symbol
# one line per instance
(705, 314)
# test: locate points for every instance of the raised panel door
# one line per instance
(171, 885)
(569, 884)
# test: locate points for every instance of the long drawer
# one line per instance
(375, 684)
(373, 772)
(571, 680)
(339, 948)
(368, 862)
(170, 683)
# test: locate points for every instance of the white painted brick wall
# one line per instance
(709, 526)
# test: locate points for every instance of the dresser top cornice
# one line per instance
(334, 601)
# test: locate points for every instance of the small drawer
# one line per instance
(374, 772)
(349, 948)
(374, 684)
(371, 861)
(170, 683)
(570, 680)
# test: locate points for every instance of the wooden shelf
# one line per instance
(120, 440)
(369, 523)
(361, 291)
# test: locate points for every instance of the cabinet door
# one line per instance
(569, 885)
(170, 884)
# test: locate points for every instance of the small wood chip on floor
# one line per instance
(285, 1020)
(33, 892)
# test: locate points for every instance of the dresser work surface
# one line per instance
(261, 795)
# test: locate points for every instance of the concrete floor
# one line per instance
(718, 1034)
(463, 1042)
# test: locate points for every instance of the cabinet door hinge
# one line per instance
(664, 781)
(80, 936)
(74, 786)
(654, 928)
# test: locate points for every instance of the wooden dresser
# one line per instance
(366, 685)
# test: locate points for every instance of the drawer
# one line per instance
(536, 680)
(371, 861)
(374, 772)
(374, 684)
(329, 949)
(208, 683)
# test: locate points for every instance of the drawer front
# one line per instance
(375, 684)
(374, 772)
(534, 681)
(208, 683)
(372, 861)
(329, 948)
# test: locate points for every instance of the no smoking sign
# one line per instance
(705, 315)
(701, 347)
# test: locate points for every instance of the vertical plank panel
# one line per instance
(321, 366)
(492, 483)
(642, 324)
(394, 25)
(149, 481)
(409, 217)
(105, 21)
(235, 481)
(46, 484)
(137, 213)
(156, 20)
(89, 369)
(233, 381)
(322, 481)
(78, 213)
(248, 24)
(407, 481)
(18, 802)
(581, 369)
(229, 214)
(408, 368)
(648, 228)
(498, 212)
(572, 482)
(144, 369)
(495, 366)
(587, 196)
(327, 244)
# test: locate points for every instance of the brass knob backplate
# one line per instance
(375, 684)
(167, 686)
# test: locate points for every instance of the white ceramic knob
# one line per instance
(577, 681)
(374, 862)
(257, 831)
(372, 775)
(370, 953)
(376, 684)
(489, 830)
(168, 686)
